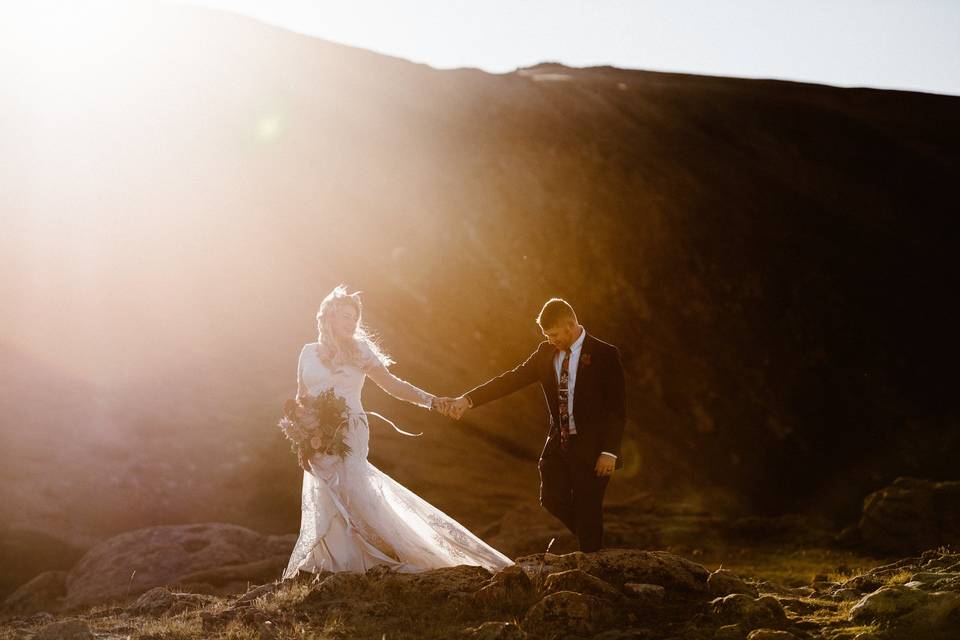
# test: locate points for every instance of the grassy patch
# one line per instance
(790, 567)
(284, 599)
(898, 578)
(236, 630)
(169, 628)
(849, 633)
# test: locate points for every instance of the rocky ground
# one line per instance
(754, 578)
(612, 594)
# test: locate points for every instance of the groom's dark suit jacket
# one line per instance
(598, 396)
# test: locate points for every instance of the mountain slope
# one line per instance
(773, 259)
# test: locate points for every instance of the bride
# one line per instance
(354, 516)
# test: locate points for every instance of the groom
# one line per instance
(583, 384)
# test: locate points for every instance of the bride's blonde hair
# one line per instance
(340, 352)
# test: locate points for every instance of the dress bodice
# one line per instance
(346, 381)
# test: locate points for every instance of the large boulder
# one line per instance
(43, 593)
(437, 584)
(25, 554)
(678, 576)
(136, 561)
(69, 629)
(911, 515)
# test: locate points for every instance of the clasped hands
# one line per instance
(451, 407)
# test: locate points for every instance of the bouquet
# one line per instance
(316, 424)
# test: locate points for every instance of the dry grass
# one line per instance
(791, 567)
(284, 599)
(180, 627)
(844, 607)
(843, 576)
(849, 633)
(236, 630)
(899, 578)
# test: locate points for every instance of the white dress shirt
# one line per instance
(575, 349)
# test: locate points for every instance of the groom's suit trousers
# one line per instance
(570, 488)
(573, 493)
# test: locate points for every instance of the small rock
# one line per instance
(510, 585)
(723, 582)
(70, 629)
(887, 603)
(160, 600)
(580, 582)
(565, 613)
(820, 587)
(798, 606)
(730, 632)
(752, 613)
(267, 630)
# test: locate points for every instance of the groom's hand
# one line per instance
(605, 465)
(441, 405)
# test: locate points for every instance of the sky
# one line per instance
(890, 44)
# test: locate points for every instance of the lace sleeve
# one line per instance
(399, 389)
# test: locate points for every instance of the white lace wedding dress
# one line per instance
(354, 516)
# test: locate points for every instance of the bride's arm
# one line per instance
(400, 389)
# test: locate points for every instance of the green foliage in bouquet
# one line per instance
(316, 424)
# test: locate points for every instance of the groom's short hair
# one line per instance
(555, 311)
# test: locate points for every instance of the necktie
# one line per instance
(563, 396)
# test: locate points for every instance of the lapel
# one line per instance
(550, 375)
(584, 366)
